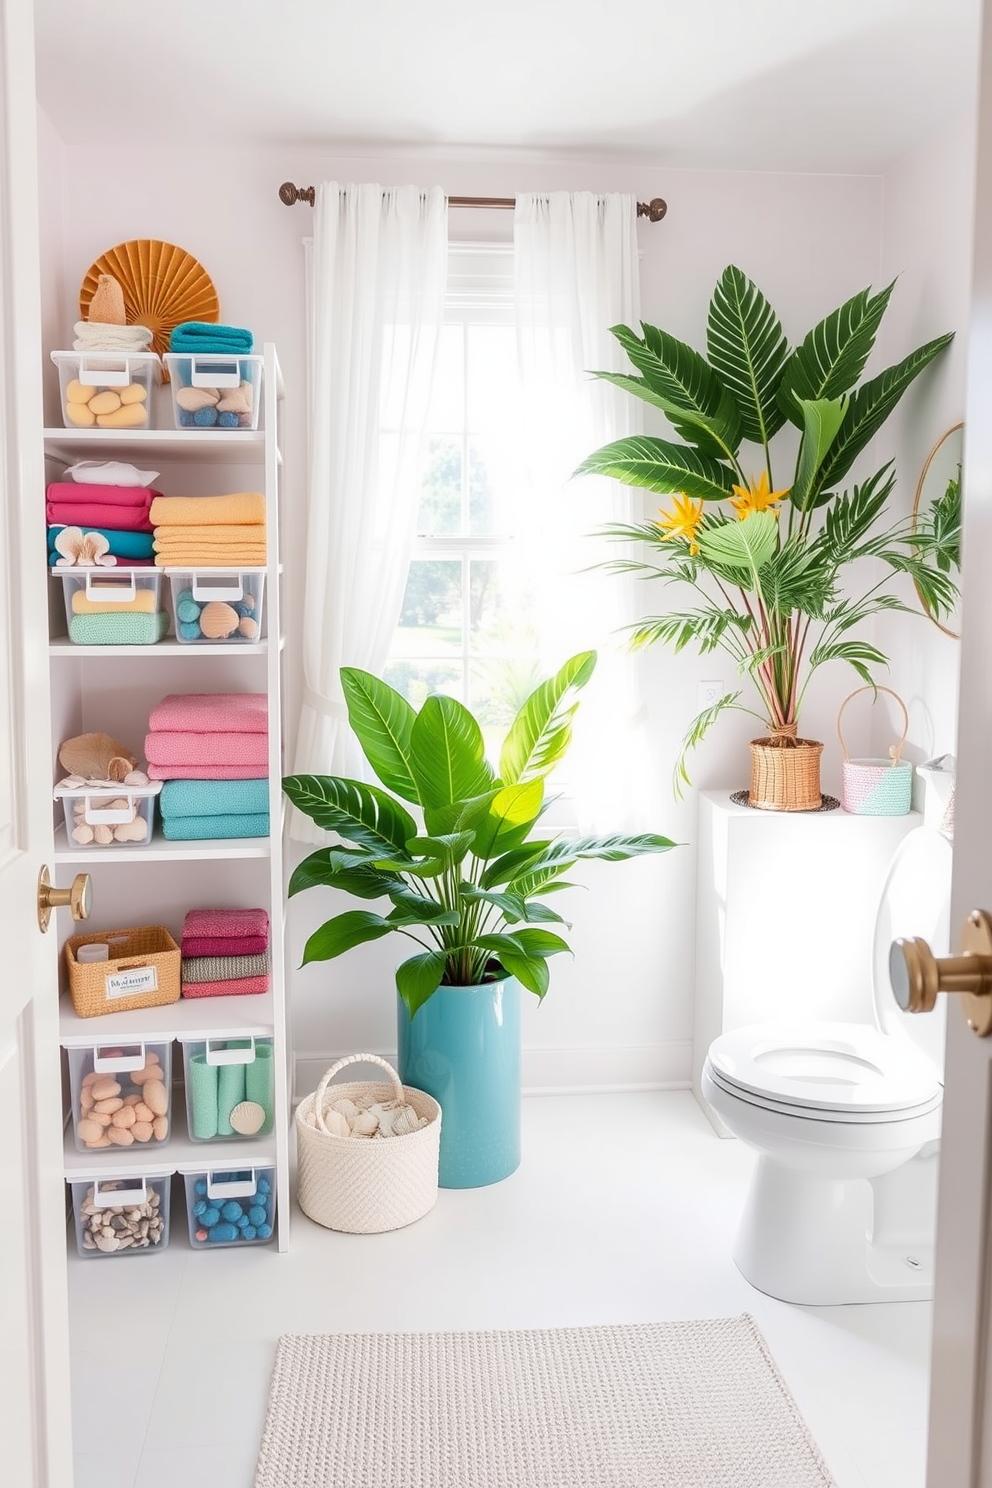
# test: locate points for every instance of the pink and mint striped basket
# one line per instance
(876, 787)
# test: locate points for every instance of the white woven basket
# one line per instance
(366, 1185)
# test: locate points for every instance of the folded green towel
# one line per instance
(131, 629)
(199, 828)
(182, 798)
(197, 335)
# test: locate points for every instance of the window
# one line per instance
(469, 624)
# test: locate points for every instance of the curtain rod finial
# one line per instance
(289, 194)
(654, 210)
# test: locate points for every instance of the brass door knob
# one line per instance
(917, 975)
(78, 897)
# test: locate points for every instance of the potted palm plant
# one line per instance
(774, 574)
(454, 846)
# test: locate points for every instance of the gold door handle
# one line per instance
(917, 975)
(78, 897)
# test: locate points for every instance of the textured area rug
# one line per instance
(651, 1405)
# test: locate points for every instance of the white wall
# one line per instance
(621, 1011)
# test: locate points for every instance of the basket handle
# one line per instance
(318, 1100)
(895, 752)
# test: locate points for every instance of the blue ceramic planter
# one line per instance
(463, 1047)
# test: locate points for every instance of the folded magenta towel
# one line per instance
(211, 713)
(225, 923)
(122, 544)
(214, 797)
(203, 750)
(202, 772)
(197, 946)
(104, 495)
(240, 987)
(200, 828)
(199, 335)
(95, 514)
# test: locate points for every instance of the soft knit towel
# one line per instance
(128, 629)
(214, 797)
(109, 473)
(200, 828)
(214, 532)
(195, 946)
(106, 495)
(211, 713)
(122, 544)
(226, 924)
(199, 335)
(246, 508)
(202, 772)
(240, 987)
(101, 335)
(204, 750)
(223, 968)
(145, 602)
(198, 555)
(94, 515)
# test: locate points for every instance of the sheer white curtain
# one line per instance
(576, 272)
(379, 264)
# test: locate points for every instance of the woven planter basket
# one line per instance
(876, 787)
(366, 1185)
(785, 772)
(148, 951)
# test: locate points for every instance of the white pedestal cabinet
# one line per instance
(112, 689)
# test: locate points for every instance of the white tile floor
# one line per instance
(623, 1210)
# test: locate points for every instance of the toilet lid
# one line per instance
(916, 900)
(825, 1066)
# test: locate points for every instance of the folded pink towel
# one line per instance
(82, 495)
(226, 923)
(203, 772)
(224, 945)
(163, 748)
(211, 713)
(97, 514)
(237, 987)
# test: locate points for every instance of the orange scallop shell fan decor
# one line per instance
(163, 286)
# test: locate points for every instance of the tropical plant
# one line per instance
(766, 562)
(466, 873)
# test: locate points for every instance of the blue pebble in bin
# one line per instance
(205, 418)
(201, 1188)
(227, 420)
(249, 1232)
(186, 420)
(224, 1232)
(264, 1186)
(257, 1215)
(264, 1231)
(231, 1211)
(190, 630)
(210, 1217)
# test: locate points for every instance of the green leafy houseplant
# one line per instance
(467, 879)
(769, 566)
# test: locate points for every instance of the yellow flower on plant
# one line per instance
(683, 522)
(756, 497)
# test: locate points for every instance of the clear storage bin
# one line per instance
(211, 390)
(116, 606)
(231, 1207)
(108, 816)
(121, 1096)
(216, 605)
(230, 1088)
(105, 389)
(121, 1216)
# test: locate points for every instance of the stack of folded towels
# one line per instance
(225, 952)
(210, 531)
(211, 749)
(195, 336)
(117, 507)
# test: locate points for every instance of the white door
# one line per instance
(35, 1445)
(960, 1452)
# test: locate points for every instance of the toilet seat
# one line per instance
(838, 1071)
(848, 1118)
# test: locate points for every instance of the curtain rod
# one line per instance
(289, 194)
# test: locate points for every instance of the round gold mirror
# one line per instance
(937, 510)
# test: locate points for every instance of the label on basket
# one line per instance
(130, 983)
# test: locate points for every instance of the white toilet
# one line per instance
(845, 1118)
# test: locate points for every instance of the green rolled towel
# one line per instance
(203, 1097)
(126, 629)
(230, 1093)
(260, 1084)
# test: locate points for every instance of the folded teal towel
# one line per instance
(198, 828)
(184, 798)
(122, 544)
(197, 335)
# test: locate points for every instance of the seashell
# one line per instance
(132, 831)
(247, 1118)
(364, 1124)
(103, 835)
(336, 1124)
(136, 777)
(238, 400)
(218, 620)
(82, 834)
(345, 1107)
(248, 628)
(195, 398)
(73, 782)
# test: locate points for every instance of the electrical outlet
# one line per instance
(710, 693)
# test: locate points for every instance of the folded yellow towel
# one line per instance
(143, 602)
(244, 507)
(193, 557)
(235, 533)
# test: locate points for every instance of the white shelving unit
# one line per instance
(112, 689)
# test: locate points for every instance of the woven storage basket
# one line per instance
(365, 1185)
(876, 787)
(149, 952)
(785, 772)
